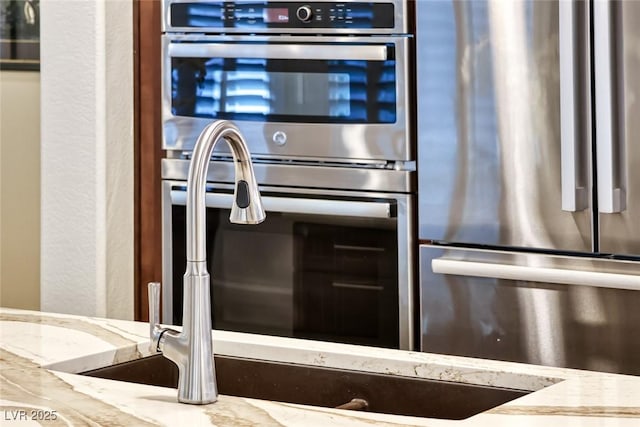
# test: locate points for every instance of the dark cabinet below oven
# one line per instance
(346, 284)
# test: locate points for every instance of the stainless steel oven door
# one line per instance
(326, 265)
(336, 98)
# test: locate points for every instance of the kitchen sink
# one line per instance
(328, 387)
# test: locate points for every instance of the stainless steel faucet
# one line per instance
(191, 349)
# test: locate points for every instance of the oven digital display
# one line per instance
(276, 15)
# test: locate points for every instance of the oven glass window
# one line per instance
(298, 275)
(314, 91)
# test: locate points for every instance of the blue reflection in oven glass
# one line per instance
(283, 90)
(204, 15)
(219, 14)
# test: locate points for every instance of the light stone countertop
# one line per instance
(40, 354)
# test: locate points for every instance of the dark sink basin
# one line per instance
(318, 386)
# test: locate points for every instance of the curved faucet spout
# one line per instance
(191, 349)
(247, 206)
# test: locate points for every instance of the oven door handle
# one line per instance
(363, 52)
(361, 209)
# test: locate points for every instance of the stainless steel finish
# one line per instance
(500, 258)
(155, 331)
(525, 320)
(347, 142)
(536, 274)
(409, 165)
(298, 205)
(611, 193)
(280, 51)
(573, 147)
(403, 223)
(619, 232)
(519, 129)
(400, 23)
(191, 349)
(322, 175)
(489, 127)
(306, 166)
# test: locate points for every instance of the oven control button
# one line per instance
(279, 138)
(304, 13)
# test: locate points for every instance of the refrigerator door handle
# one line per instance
(536, 274)
(609, 153)
(574, 195)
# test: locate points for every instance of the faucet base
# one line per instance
(198, 401)
(197, 383)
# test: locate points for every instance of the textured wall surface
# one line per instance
(20, 189)
(87, 158)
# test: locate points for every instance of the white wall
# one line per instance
(87, 157)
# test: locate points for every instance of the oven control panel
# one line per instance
(220, 15)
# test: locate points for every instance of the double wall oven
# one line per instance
(320, 90)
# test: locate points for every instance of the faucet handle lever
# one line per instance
(154, 315)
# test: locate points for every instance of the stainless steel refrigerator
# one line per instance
(529, 180)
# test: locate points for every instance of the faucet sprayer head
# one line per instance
(247, 205)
